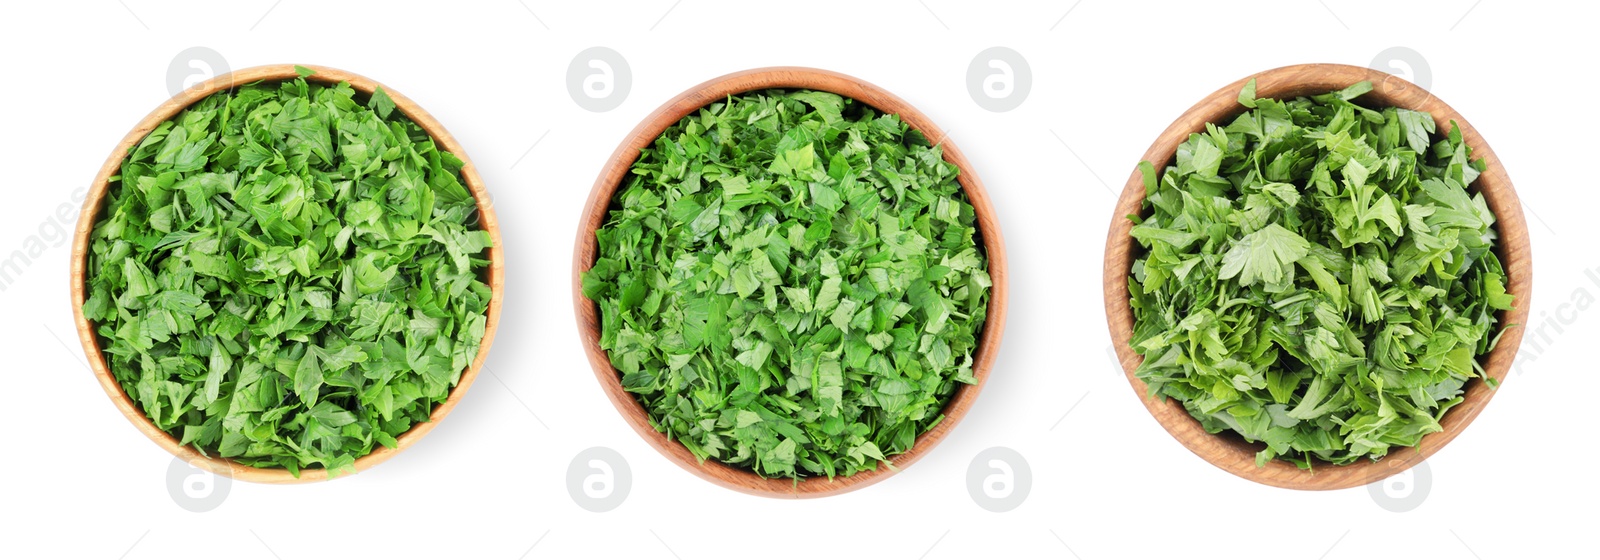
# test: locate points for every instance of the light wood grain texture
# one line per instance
(1228, 450)
(584, 255)
(91, 213)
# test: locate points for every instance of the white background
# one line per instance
(490, 482)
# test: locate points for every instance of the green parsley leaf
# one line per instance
(381, 103)
(1247, 95)
(1267, 254)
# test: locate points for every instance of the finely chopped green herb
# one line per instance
(791, 282)
(1317, 277)
(286, 277)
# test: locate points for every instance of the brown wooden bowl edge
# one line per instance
(170, 108)
(1228, 451)
(598, 203)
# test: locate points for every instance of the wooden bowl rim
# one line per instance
(686, 103)
(1228, 451)
(167, 110)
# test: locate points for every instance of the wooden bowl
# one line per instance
(688, 102)
(181, 101)
(1228, 450)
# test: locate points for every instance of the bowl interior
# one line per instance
(90, 214)
(598, 206)
(1229, 450)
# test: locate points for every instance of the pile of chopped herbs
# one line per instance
(792, 283)
(285, 276)
(1317, 277)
